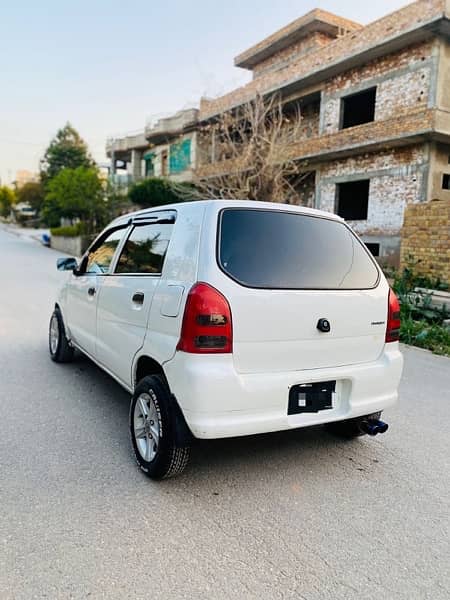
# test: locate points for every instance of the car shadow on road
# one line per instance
(278, 451)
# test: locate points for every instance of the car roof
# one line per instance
(221, 204)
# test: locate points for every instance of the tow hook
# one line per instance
(373, 426)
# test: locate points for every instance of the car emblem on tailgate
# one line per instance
(324, 325)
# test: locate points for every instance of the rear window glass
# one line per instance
(145, 249)
(282, 250)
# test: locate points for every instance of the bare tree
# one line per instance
(246, 153)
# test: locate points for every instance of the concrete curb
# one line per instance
(21, 233)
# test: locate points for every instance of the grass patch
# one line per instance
(433, 337)
(422, 324)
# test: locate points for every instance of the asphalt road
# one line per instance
(295, 515)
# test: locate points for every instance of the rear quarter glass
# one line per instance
(272, 249)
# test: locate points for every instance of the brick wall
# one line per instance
(340, 23)
(311, 149)
(426, 238)
(306, 191)
(310, 121)
(416, 122)
(403, 81)
(283, 58)
(397, 178)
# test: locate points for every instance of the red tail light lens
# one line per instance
(393, 319)
(207, 327)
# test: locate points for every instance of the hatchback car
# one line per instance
(232, 318)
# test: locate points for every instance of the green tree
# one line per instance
(7, 199)
(67, 150)
(75, 194)
(33, 194)
(156, 191)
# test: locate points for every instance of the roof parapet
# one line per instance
(125, 143)
(316, 20)
(169, 127)
(410, 24)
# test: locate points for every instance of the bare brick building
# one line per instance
(375, 101)
(376, 107)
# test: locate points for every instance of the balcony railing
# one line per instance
(170, 126)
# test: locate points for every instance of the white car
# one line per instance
(232, 318)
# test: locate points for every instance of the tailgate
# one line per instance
(286, 270)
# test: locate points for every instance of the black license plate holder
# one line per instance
(311, 397)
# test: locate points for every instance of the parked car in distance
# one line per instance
(232, 318)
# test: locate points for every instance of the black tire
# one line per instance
(61, 351)
(350, 428)
(170, 459)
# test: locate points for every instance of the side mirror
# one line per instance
(66, 264)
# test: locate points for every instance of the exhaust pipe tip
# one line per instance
(373, 426)
(382, 427)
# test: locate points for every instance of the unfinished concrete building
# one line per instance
(375, 101)
(126, 154)
(166, 148)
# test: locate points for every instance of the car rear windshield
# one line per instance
(283, 250)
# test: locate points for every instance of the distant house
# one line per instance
(166, 148)
(376, 116)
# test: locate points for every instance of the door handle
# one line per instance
(92, 291)
(138, 298)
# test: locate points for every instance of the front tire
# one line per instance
(58, 345)
(152, 431)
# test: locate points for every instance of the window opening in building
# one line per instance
(446, 181)
(353, 199)
(374, 249)
(358, 108)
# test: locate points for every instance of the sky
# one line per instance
(108, 66)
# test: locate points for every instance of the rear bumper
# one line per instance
(218, 402)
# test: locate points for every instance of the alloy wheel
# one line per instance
(54, 334)
(146, 427)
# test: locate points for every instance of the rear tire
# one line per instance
(350, 428)
(58, 345)
(152, 430)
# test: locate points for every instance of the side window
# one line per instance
(100, 258)
(145, 249)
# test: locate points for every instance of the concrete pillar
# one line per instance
(136, 166)
(112, 169)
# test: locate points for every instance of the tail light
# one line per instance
(207, 327)
(393, 319)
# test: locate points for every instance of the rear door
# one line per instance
(127, 294)
(287, 275)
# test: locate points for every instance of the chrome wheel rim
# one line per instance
(146, 427)
(54, 334)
